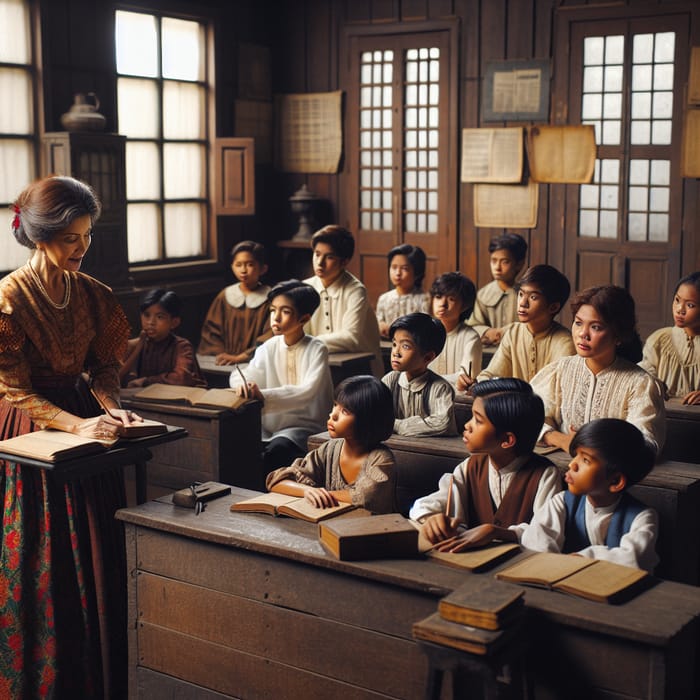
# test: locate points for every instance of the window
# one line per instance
(162, 88)
(18, 128)
(627, 94)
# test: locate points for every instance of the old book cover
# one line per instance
(53, 445)
(388, 536)
(452, 634)
(476, 559)
(595, 579)
(191, 395)
(484, 603)
(291, 506)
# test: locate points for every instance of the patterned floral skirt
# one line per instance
(62, 574)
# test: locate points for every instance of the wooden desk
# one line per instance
(682, 428)
(136, 451)
(251, 606)
(221, 445)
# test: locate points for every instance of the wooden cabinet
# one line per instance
(100, 161)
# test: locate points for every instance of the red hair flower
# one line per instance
(15, 221)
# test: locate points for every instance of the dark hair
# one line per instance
(513, 407)
(372, 404)
(458, 285)
(693, 279)
(554, 286)
(615, 305)
(621, 445)
(50, 205)
(427, 332)
(168, 300)
(304, 297)
(338, 238)
(512, 242)
(415, 257)
(257, 250)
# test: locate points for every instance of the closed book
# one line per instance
(200, 493)
(452, 634)
(370, 537)
(291, 506)
(143, 428)
(594, 579)
(483, 603)
(478, 559)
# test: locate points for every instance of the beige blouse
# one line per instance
(573, 396)
(672, 356)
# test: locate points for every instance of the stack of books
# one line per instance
(479, 617)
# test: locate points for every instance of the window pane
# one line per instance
(183, 229)
(637, 230)
(614, 49)
(588, 223)
(16, 90)
(593, 79)
(142, 171)
(183, 171)
(589, 196)
(15, 39)
(143, 226)
(639, 172)
(608, 224)
(136, 44)
(138, 108)
(183, 111)
(593, 50)
(660, 172)
(658, 227)
(665, 46)
(16, 170)
(182, 53)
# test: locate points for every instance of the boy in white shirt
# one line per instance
(289, 374)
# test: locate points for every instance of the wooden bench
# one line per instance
(672, 489)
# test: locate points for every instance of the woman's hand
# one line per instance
(320, 498)
(692, 399)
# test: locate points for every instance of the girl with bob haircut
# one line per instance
(353, 466)
(602, 379)
(596, 517)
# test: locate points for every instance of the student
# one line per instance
(289, 374)
(423, 400)
(672, 354)
(601, 380)
(158, 356)
(495, 491)
(353, 466)
(537, 339)
(596, 517)
(238, 320)
(406, 272)
(344, 321)
(496, 302)
(452, 296)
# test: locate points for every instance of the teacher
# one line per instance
(62, 562)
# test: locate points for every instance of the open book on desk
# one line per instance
(594, 579)
(57, 446)
(192, 396)
(291, 506)
(476, 560)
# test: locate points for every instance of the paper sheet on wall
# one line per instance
(309, 132)
(690, 158)
(506, 206)
(492, 155)
(517, 90)
(561, 153)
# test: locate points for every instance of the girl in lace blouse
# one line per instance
(602, 379)
(672, 354)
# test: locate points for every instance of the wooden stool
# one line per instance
(501, 674)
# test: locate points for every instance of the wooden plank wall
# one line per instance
(305, 59)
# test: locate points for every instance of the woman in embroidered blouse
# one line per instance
(62, 568)
(601, 380)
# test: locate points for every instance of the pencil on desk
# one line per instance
(448, 505)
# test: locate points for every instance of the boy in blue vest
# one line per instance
(596, 517)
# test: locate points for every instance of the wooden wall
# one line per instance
(304, 39)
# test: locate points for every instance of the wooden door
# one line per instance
(400, 173)
(626, 76)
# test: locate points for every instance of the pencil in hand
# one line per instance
(448, 505)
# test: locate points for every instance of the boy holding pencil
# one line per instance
(493, 494)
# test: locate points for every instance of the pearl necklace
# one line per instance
(66, 296)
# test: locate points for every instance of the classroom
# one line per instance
(436, 124)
